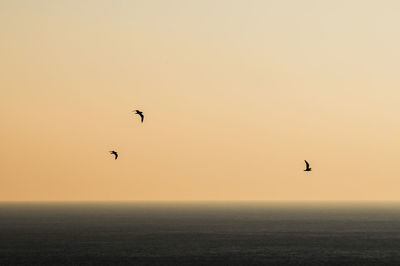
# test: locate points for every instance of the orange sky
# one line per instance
(236, 95)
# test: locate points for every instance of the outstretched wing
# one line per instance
(141, 117)
(115, 154)
(307, 164)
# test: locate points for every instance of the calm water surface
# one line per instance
(211, 233)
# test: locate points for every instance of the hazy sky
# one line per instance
(236, 95)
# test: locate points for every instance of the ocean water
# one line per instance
(200, 233)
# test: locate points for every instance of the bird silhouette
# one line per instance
(115, 154)
(140, 113)
(308, 169)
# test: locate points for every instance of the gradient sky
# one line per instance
(236, 95)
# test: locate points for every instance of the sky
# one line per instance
(236, 95)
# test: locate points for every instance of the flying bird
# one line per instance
(308, 169)
(115, 154)
(140, 113)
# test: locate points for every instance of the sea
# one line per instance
(200, 233)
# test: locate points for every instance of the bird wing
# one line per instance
(115, 154)
(141, 117)
(307, 164)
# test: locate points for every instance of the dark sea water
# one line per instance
(234, 233)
